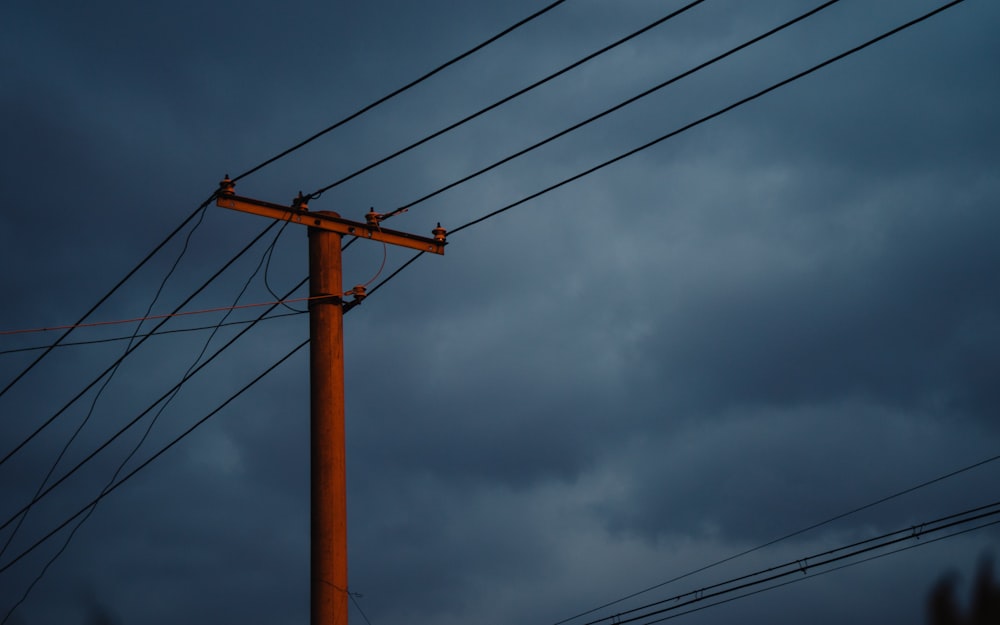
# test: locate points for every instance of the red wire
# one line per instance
(165, 316)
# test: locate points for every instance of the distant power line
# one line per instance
(803, 566)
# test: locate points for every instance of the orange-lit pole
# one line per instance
(328, 468)
(328, 522)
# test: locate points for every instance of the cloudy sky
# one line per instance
(764, 322)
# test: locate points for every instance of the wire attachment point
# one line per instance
(373, 218)
(358, 292)
(439, 233)
(227, 187)
(301, 202)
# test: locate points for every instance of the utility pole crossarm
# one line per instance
(325, 221)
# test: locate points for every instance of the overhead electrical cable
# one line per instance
(163, 403)
(785, 537)
(160, 333)
(267, 162)
(814, 575)
(711, 116)
(898, 29)
(191, 373)
(607, 112)
(107, 380)
(671, 134)
(114, 366)
(803, 565)
(267, 270)
(106, 296)
(400, 90)
(132, 348)
(184, 313)
(149, 460)
(538, 83)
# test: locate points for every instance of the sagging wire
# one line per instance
(171, 395)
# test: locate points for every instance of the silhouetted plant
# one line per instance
(984, 608)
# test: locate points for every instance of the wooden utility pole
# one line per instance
(327, 465)
(328, 490)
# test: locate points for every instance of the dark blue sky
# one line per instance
(771, 319)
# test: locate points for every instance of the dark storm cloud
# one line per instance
(893, 322)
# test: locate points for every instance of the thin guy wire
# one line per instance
(498, 103)
(400, 90)
(358, 606)
(133, 348)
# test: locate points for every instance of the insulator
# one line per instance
(227, 186)
(300, 202)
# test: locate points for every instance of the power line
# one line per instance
(498, 103)
(39, 496)
(107, 295)
(185, 313)
(269, 161)
(831, 570)
(267, 270)
(607, 112)
(166, 400)
(709, 117)
(669, 135)
(804, 564)
(260, 166)
(400, 90)
(294, 313)
(149, 460)
(107, 381)
(775, 541)
(132, 348)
